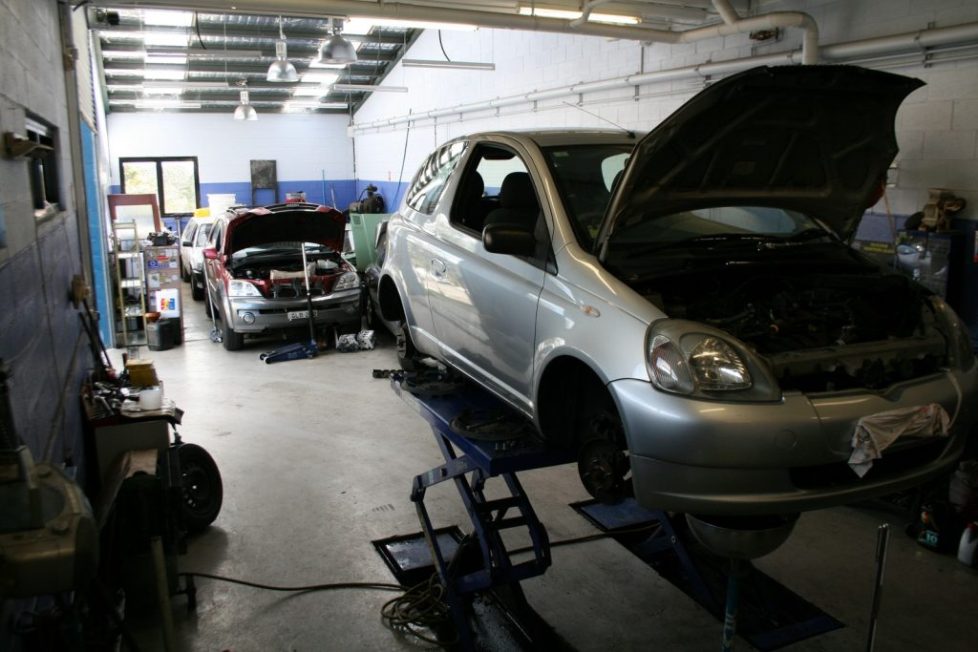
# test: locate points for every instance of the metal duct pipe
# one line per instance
(726, 11)
(921, 39)
(734, 24)
(589, 6)
(899, 43)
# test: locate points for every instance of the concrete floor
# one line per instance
(317, 459)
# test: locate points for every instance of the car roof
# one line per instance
(562, 137)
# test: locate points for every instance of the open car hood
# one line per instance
(817, 139)
(286, 223)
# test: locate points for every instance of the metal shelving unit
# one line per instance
(130, 284)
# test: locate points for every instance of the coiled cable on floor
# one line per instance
(421, 609)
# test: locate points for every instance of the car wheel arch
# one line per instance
(389, 298)
(567, 379)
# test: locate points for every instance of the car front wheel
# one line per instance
(407, 355)
(602, 458)
(232, 340)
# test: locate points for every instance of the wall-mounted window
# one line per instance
(173, 179)
(43, 168)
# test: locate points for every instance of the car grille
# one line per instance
(893, 463)
(294, 292)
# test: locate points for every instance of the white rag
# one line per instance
(874, 433)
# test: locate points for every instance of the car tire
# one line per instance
(407, 355)
(197, 292)
(202, 489)
(232, 340)
(602, 458)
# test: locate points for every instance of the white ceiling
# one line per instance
(197, 56)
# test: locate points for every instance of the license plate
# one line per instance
(301, 314)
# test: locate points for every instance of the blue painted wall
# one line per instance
(101, 283)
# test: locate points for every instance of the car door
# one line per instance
(412, 238)
(484, 305)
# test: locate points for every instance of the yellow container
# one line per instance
(202, 212)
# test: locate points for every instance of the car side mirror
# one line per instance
(211, 253)
(186, 243)
(512, 239)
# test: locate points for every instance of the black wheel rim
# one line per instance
(197, 491)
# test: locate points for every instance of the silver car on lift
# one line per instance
(682, 309)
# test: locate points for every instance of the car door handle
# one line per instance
(438, 268)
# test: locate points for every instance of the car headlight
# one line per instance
(694, 359)
(348, 281)
(717, 366)
(237, 288)
(959, 339)
(669, 368)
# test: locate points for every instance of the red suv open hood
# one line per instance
(286, 223)
(817, 139)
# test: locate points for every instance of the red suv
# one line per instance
(254, 275)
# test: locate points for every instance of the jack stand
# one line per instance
(493, 569)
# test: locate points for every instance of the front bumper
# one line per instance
(273, 314)
(715, 457)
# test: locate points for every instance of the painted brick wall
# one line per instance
(937, 126)
(305, 147)
(41, 338)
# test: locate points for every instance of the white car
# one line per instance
(192, 244)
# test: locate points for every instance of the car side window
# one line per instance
(429, 182)
(481, 186)
(188, 234)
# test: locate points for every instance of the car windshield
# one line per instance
(203, 233)
(585, 176)
(279, 249)
(765, 224)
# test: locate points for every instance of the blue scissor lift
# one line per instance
(470, 463)
(481, 438)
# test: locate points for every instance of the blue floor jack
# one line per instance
(480, 438)
(298, 350)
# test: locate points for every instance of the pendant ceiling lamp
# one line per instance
(336, 50)
(245, 111)
(281, 70)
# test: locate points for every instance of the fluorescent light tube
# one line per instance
(543, 12)
(452, 65)
(168, 18)
(362, 25)
(369, 88)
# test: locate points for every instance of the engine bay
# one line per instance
(282, 277)
(819, 331)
